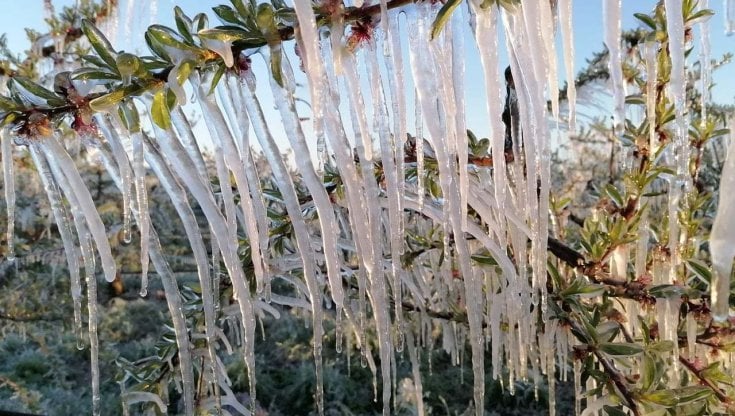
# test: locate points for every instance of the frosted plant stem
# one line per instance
(9, 185)
(177, 194)
(54, 151)
(288, 192)
(61, 216)
(144, 220)
(284, 99)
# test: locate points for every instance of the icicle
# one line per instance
(329, 228)
(123, 163)
(419, 151)
(81, 221)
(177, 194)
(61, 216)
(9, 185)
(722, 237)
(615, 63)
(650, 50)
(424, 77)
(691, 328)
(186, 135)
(487, 41)
(144, 222)
(567, 33)
(54, 151)
(677, 85)
(86, 243)
(705, 64)
(173, 296)
(257, 212)
(288, 192)
(184, 167)
(229, 157)
(729, 6)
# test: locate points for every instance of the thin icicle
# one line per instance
(9, 185)
(705, 63)
(224, 142)
(284, 99)
(729, 6)
(650, 50)
(144, 220)
(722, 238)
(611, 17)
(567, 34)
(487, 41)
(85, 242)
(54, 151)
(288, 192)
(184, 167)
(61, 216)
(177, 194)
(126, 173)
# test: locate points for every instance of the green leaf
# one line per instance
(129, 116)
(443, 17)
(35, 93)
(216, 78)
(646, 19)
(7, 104)
(276, 56)
(227, 15)
(619, 349)
(700, 270)
(666, 398)
(99, 43)
(613, 411)
(484, 260)
(184, 24)
(85, 74)
(691, 394)
(159, 110)
(648, 372)
(614, 194)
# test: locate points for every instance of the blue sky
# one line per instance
(588, 23)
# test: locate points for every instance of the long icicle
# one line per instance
(184, 166)
(54, 151)
(284, 98)
(290, 198)
(225, 142)
(9, 185)
(85, 243)
(144, 219)
(171, 290)
(177, 194)
(61, 216)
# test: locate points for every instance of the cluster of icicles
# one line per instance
(367, 230)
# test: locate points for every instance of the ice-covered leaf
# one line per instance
(160, 113)
(99, 43)
(445, 13)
